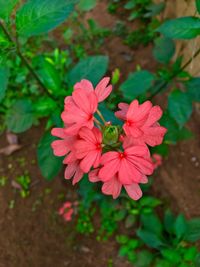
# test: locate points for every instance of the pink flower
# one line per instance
(66, 211)
(157, 160)
(141, 122)
(131, 165)
(102, 90)
(89, 148)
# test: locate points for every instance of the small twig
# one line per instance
(101, 116)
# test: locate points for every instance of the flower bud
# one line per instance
(110, 134)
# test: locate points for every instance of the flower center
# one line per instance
(128, 123)
(122, 155)
(98, 146)
(90, 117)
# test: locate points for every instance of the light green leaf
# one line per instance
(49, 164)
(86, 5)
(92, 68)
(4, 74)
(6, 7)
(36, 17)
(19, 117)
(172, 255)
(181, 28)
(44, 106)
(136, 84)
(180, 107)
(164, 49)
(193, 88)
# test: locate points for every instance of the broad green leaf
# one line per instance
(108, 114)
(86, 5)
(49, 164)
(169, 221)
(180, 107)
(6, 7)
(92, 68)
(163, 50)
(50, 77)
(162, 150)
(150, 239)
(193, 233)
(171, 255)
(136, 84)
(19, 117)
(36, 17)
(181, 28)
(193, 88)
(190, 253)
(180, 227)
(198, 5)
(144, 258)
(151, 223)
(174, 134)
(4, 74)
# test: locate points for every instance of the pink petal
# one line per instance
(58, 132)
(85, 85)
(60, 147)
(101, 90)
(78, 176)
(112, 187)
(93, 176)
(108, 156)
(87, 161)
(154, 115)
(133, 191)
(70, 170)
(109, 170)
(139, 151)
(133, 108)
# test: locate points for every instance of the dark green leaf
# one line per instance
(172, 255)
(193, 88)
(92, 68)
(198, 5)
(180, 227)
(86, 5)
(136, 84)
(144, 258)
(6, 7)
(180, 107)
(181, 28)
(108, 114)
(164, 49)
(169, 221)
(150, 239)
(197, 260)
(162, 149)
(19, 117)
(49, 164)
(154, 9)
(193, 233)
(151, 223)
(4, 74)
(36, 17)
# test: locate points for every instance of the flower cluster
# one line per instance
(117, 156)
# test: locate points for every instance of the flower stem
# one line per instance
(98, 122)
(101, 116)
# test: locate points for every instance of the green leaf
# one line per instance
(92, 68)
(154, 9)
(149, 201)
(198, 5)
(144, 258)
(193, 233)
(181, 28)
(190, 253)
(193, 88)
(197, 260)
(180, 227)
(36, 17)
(174, 134)
(19, 117)
(6, 7)
(122, 239)
(136, 84)
(50, 77)
(86, 5)
(44, 106)
(163, 50)
(171, 255)
(162, 149)
(169, 221)
(49, 164)
(150, 239)
(130, 221)
(152, 223)
(180, 107)
(108, 114)
(4, 74)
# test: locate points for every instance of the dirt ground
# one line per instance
(32, 234)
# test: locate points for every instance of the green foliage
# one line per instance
(86, 5)
(19, 117)
(137, 83)
(48, 163)
(163, 50)
(6, 8)
(35, 18)
(4, 74)
(84, 224)
(24, 182)
(181, 28)
(192, 87)
(92, 68)
(193, 233)
(198, 5)
(180, 107)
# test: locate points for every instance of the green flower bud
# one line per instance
(110, 134)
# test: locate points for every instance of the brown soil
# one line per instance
(32, 234)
